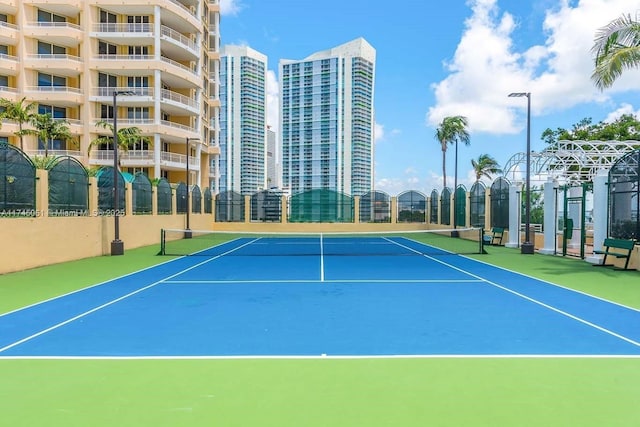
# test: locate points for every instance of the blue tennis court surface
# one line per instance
(297, 301)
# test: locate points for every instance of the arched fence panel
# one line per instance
(477, 211)
(266, 206)
(445, 206)
(321, 205)
(207, 201)
(17, 182)
(181, 198)
(230, 207)
(412, 206)
(460, 211)
(500, 203)
(196, 199)
(164, 197)
(375, 206)
(142, 195)
(433, 208)
(68, 188)
(106, 199)
(624, 197)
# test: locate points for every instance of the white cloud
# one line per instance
(378, 132)
(230, 7)
(486, 66)
(623, 109)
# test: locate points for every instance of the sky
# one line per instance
(439, 59)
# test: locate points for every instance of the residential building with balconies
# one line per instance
(159, 58)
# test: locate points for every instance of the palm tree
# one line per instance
(452, 129)
(485, 166)
(49, 129)
(616, 47)
(127, 137)
(20, 113)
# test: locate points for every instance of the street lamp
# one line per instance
(187, 233)
(117, 245)
(528, 246)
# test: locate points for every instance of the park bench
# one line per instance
(495, 237)
(618, 248)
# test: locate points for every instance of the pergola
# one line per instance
(570, 161)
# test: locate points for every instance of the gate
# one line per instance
(577, 232)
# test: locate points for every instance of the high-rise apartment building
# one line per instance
(273, 177)
(160, 58)
(243, 127)
(326, 120)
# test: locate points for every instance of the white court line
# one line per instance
(335, 357)
(93, 310)
(240, 282)
(557, 310)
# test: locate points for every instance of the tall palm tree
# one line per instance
(19, 112)
(485, 166)
(452, 129)
(127, 137)
(49, 129)
(616, 47)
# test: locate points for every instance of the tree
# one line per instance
(20, 113)
(616, 48)
(452, 129)
(624, 128)
(485, 166)
(49, 129)
(127, 137)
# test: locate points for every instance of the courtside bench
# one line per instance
(618, 248)
(495, 237)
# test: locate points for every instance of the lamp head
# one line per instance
(519, 94)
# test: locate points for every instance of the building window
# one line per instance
(138, 50)
(107, 18)
(48, 49)
(138, 112)
(106, 111)
(105, 48)
(107, 80)
(51, 80)
(44, 16)
(137, 81)
(4, 81)
(4, 49)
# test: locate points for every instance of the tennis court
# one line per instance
(321, 297)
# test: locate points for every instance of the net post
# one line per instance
(162, 241)
(481, 240)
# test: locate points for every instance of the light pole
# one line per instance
(117, 245)
(187, 232)
(528, 246)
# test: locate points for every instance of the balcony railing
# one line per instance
(53, 25)
(176, 125)
(182, 6)
(128, 122)
(168, 157)
(123, 28)
(55, 56)
(180, 38)
(137, 91)
(57, 89)
(8, 89)
(125, 57)
(5, 57)
(145, 156)
(55, 153)
(179, 98)
(177, 64)
(8, 25)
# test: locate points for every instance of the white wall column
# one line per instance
(550, 209)
(514, 216)
(600, 214)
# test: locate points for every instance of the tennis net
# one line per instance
(178, 242)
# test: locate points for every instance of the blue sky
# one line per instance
(438, 59)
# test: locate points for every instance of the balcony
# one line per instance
(129, 34)
(9, 65)
(181, 17)
(176, 74)
(60, 33)
(56, 153)
(140, 96)
(144, 158)
(176, 103)
(65, 8)
(178, 161)
(10, 93)
(66, 96)
(58, 64)
(9, 34)
(177, 45)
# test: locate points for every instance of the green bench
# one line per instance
(495, 238)
(618, 248)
